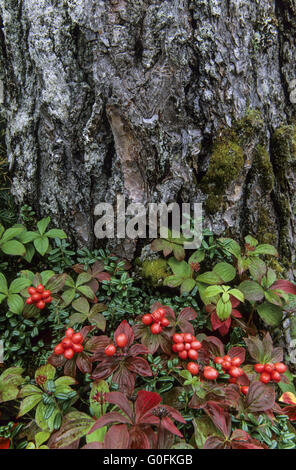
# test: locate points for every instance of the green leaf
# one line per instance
(56, 233)
(223, 310)
(15, 303)
(212, 291)
(12, 232)
(180, 268)
(29, 403)
(266, 249)
(81, 305)
(270, 314)
(251, 290)
(56, 283)
(273, 298)
(42, 225)
(46, 275)
(41, 437)
(187, 285)
(179, 252)
(197, 257)
(65, 380)
(173, 281)
(41, 244)
(27, 237)
(87, 291)
(257, 268)
(76, 318)
(209, 278)
(96, 318)
(231, 246)
(3, 284)
(68, 296)
(48, 370)
(8, 393)
(18, 285)
(225, 271)
(28, 390)
(251, 240)
(75, 425)
(13, 247)
(30, 252)
(95, 407)
(204, 428)
(83, 278)
(237, 294)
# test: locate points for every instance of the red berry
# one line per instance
(147, 319)
(177, 338)
(280, 367)
(110, 350)
(227, 358)
(236, 361)
(192, 367)
(40, 304)
(77, 338)
(196, 345)
(155, 329)
(268, 368)
(210, 373)
(226, 365)
(265, 377)
(183, 355)
(188, 337)
(69, 332)
(179, 347)
(78, 348)
(158, 314)
(45, 294)
(69, 353)
(174, 347)
(259, 368)
(29, 301)
(245, 389)
(276, 376)
(232, 380)
(31, 290)
(48, 300)
(235, 372)
(36, 297)
(165, 322)
(121, 340)
(187, 346)
(40, 288)
(193, 354)
(218, 360)
(66, 342)
(59, 349)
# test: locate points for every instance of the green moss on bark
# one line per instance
(155, 271)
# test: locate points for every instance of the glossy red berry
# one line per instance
(110, 350)
(77, 338)
(218, 360)
(66, 342)
(174, 347)
(235, 371)
(179, 347)
(165, 322)
(259, 368)
(187, 346)
(227, 358)
(69, 353)
(188, 337)
(268, 368)
(193, 354)
(236, 361)
(78, 348)
(210, 373)
(244, 389)
(280, 367)
(177, 338)
(226, 365)
(232, 380)
(48, 300)
(147, 319)
(183, 355)
(265, 377)
(31, 290)
(40, 304)
(196, 345)
(192, 367)
(156, 328)
(29, 301)
(36, 297)
(58, 349)
(45, 294)
(40, 288)
(276, 376)
(69, 332)
(158, 314)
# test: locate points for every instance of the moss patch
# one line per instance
(155, 271)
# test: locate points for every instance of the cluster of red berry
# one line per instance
(270, 371)
(157, 320)
(70, 344)
(231, 366)
(39, 296)
(187, 347)
(120, 340)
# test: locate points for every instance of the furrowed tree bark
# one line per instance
(161, 101)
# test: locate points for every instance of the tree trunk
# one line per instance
(157, 100)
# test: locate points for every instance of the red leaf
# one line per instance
(93, 445)
(56, 360)
(70, 368)
(97, 343)
(84, 363)
(285, 286)
(85, 330)
(174, 413)
(145, 402)
(137, 349)
(237, 351)
(214, 443)
(125, 328)
(104, 369)
(103, 277)
(138, 439)
(168, 424)
(260, 397)
(125, 380)
(117, 437)
(109, 418)
(119, 399)
(219, 416)
(235, 313)
(139, 366)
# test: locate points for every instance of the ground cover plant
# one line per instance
(95, 355)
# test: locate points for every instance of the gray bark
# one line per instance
(133, 97)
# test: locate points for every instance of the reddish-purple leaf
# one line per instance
(109, 418)
(84, 363)
(137, 349)
(104, 369)
(139, 366)
(285, 286)
(260, 397)
(124, 328)
(119, 399)
(125, 380)
(168, 424)
(70, 368)
(138, 439)
(117, 437)
(219, 416)
(237, 351)
(214, 442)
(145, 402)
